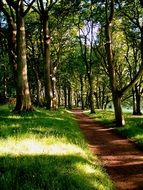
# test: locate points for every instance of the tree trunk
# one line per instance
(38, 84)
(103, 97)
(106, 102)
(12, 46)
(111, 66)
(23, 100)
(96, 98)
(134, 102)
(47, 64)
(91, 101)
(119, 119)
(59, 95)
(65, 96)
(138, 98)
(81, 88)
(69, 96)
(54, 100)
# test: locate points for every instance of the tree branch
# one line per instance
(133, 82)
(51, 4)
(111, 11)
(141, 2)
(12, 3)
(36, 10)
(40, 5)
(28, 8)
(4, 10)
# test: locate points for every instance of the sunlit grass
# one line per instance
(38, 147)
(104, 116)
(133, 128)
(45, 150)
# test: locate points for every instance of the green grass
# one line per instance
(133, 128)
(44, 150)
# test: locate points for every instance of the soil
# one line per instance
(121, 158)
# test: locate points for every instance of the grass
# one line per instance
(133, 128)
(44, 150)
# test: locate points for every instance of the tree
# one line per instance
(11, 37)
(44, 9)
(35, 58)
(117, 93)
(86, 39)
(23, 100)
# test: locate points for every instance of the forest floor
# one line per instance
(119, 156)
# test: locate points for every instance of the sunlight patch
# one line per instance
(85, 168)
(33, 147)
(14, 117)
(138, 137)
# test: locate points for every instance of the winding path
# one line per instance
(120, 157)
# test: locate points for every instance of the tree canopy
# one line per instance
(84, 53)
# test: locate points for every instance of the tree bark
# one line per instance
(81, 88)
(65, 96)
(69, 96)
(119, 119)
(136, 100)
(12, 46)
(47, 61)
(116, 97)
(91, 101)
(23, 100)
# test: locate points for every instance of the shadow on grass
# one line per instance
(49, 173)
(136, 120)
(42, 123)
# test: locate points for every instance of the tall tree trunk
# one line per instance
(12, 46)
(103, 97)
(65, 96)
(91, 100)
(96, 99)
(81, 88)
(134, 102)
(118, 110)
(23, 100)
(59, 95)
(88, 64)
(54, 100)
(11, 41)
(111, 66)
(38, 88)
(137, 99)
(100, 97)
(47, 61)
(4, 86)
(69, 96)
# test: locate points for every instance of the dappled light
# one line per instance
(45, 150)
(51, 172)
(121, 158)
(35, 147)
(71, 93)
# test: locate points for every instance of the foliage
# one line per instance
(71, 59)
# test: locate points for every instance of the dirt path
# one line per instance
(123, 162)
